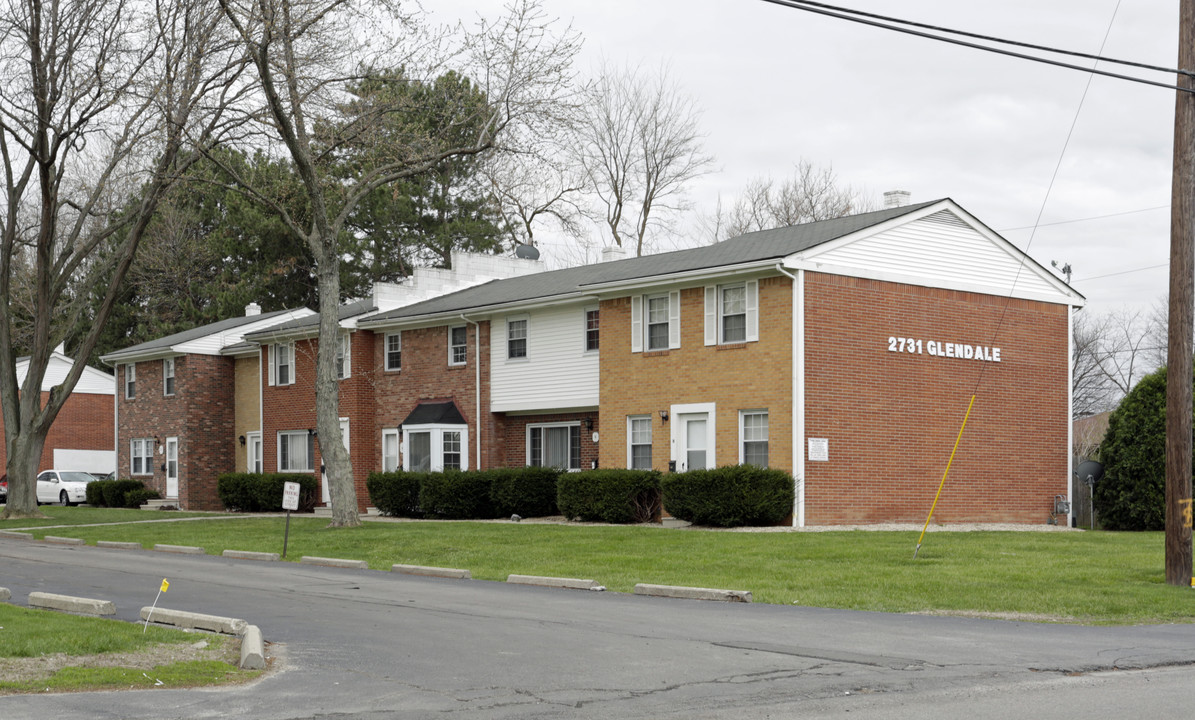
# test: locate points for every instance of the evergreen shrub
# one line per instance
(729, 496)
(262, 492)
(456, 495)
(395, 494)
(612, 496)
(525, 491)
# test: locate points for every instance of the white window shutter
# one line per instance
(674, 319)
(636, 323)
(711, 315)
(270, 361)
(752, 310)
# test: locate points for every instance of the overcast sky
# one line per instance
(888, 111)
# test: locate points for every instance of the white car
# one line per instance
(62, 486)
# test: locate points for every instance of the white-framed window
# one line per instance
(282, 364)
(554, 445)
(141, 456)
(753, 437)
(516, 338)
(639, 442)
(130, 381)
(344, 357)
(732, 313)
(296, 451)
(592, 326)
(390, 443)
(168, 376)
(458, 344)
(432, 448)
(253, 460)
(655, 322)
(394, 351)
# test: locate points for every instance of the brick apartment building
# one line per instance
(844, 351)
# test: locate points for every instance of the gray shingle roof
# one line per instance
(165, 343)
(310, 323)
(749, 248)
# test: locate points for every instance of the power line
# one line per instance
(894, 24)
(1123, 272)
(1078, 220)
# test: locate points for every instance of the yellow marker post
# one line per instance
(164, 587)
(944, 474)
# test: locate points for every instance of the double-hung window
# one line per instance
(591, 331)
(390, 442)
(296, 451)
(753, 437)
(394, 351)
(344, 357)
(168, 376)
(655, 322)
(130, 381)
(141, 452)
(516, 338)
(639, 442)
(282, 364)
(732, 313)
(458, 345)
(554, 445)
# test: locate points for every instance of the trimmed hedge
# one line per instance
(122, 493)
(729, 496)
(526, 491)
(456, 495)
(395, 494)
(262, 492)
(612, 496)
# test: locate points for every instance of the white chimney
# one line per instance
(252, 309)
(610, 253)
(896, 198)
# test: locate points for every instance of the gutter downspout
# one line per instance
(798, 409)
(476, 384)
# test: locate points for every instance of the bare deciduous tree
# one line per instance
(306, 53)
(102, 104)
(811, 194)
(1111, 352)
(640, 145)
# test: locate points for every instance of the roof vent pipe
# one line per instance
(896, 198)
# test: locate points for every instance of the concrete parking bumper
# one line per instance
(693, 593)
(195, 621)
(440, 572)
(66, 603)
(570, 583)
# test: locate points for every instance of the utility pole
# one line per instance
(1182, 313)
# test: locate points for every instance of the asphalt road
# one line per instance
(371, 644)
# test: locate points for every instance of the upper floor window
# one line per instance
(130, 381)
(344, 356)
(282, 364)
(732, 313)
(591, 330)
(394, 351)
(655, 321)
(168, 376)
(753, 437)
(516, 338)
(458, 349)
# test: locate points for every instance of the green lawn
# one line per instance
(58, 515)
(1088, 577)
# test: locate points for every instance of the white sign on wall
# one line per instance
(819, 449)
(937, 348)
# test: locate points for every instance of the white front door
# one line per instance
(253, 456)
(694, 452)
(172, 467)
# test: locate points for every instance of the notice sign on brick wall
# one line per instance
(819, 449)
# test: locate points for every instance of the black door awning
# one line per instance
(435, 413)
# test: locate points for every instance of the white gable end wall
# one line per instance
(557, 372)
(938, 250)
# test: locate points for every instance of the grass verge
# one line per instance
(44, 651)
(1084, 577)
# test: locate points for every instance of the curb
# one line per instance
(5, 594)
(570, 583)
(250, 555)
(117, 545)
(66, 603)
(184, 549)
(195, 621)
(63, 540)
(14, 535)
(334, 562)
(693, 593)
(451, 573)
(253, 649)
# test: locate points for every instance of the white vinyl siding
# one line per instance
(555, 374)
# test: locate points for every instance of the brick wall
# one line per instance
(753, 375)
(84, 423)
(891, 418)
(150, 414)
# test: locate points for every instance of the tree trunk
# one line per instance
(337, 464)
(24, 456)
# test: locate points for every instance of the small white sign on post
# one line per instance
(290, 496)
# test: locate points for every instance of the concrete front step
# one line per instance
(326, 511)
(160, 503)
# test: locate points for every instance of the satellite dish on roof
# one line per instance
(1090, 471)
(526, 252)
